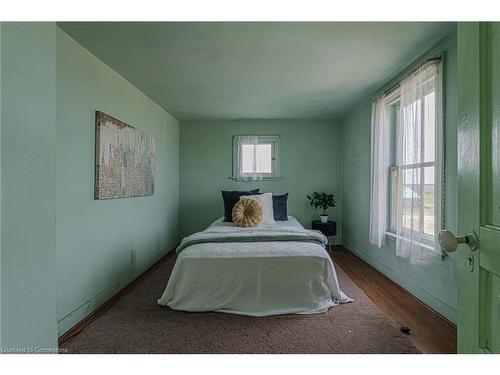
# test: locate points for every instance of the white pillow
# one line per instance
(266, 201)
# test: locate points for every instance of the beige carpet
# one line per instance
(136, 324)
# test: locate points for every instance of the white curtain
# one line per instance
(380, 139)
(418, 160)
(247, 157)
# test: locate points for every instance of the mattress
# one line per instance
(254, 278)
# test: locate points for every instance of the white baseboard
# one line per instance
(427, 297)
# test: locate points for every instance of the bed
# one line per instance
(265, 270)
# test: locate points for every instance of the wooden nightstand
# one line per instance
(329, 229)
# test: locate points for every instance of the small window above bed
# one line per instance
(256, 157)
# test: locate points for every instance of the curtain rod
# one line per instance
(430, 59)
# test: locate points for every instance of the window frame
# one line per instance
(393, 98)
(274, 140)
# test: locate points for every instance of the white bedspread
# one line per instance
(254, 278)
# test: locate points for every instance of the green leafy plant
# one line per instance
(321, 200)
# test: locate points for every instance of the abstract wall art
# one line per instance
(124, 160)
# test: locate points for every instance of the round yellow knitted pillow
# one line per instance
(247, 212)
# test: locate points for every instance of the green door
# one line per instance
(479, 187)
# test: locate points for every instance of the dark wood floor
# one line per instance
(430, 332)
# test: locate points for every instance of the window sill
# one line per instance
(252, 180)
(429, 246)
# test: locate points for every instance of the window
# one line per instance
(255, 157)
(415, 171)
(407, 164)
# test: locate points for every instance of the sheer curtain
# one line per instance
(247, 157)
(418, 159)
(379, 170)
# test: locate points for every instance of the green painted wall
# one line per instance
(435, 285)
(95, 238)
(28, 258)
(310, 160)
(54, 233)
(1, 185)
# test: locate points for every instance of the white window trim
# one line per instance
(275, 141)
(393, 98)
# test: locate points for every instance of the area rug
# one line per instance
(137, 324)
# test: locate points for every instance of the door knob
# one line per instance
(449, 242)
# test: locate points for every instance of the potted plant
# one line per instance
(322, 200)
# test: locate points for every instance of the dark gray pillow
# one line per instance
(230, 199)
(280, 207)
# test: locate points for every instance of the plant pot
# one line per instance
(324, 218)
